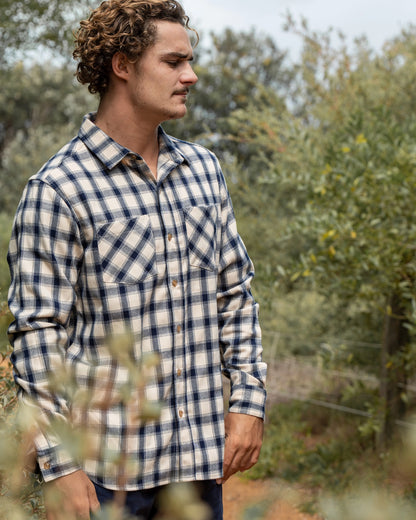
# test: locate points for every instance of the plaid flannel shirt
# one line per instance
(100, 246)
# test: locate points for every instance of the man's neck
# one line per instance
(129, 130)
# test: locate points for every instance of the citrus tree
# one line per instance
(344, 157)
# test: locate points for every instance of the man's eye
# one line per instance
(173, 64)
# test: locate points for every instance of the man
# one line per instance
(128, 228)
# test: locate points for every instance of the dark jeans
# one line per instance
(144, 504)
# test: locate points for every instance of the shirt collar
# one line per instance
(110, 153)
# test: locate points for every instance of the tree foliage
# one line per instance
(345, 155)
(36, 26)
(40, 110)
(348, 160)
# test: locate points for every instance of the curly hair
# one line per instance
(126, 26)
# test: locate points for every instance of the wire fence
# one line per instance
(309, 379)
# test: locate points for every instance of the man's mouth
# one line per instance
(183, 92)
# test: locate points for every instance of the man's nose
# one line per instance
(189, 77)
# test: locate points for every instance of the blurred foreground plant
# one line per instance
(20, 488)
(368, 506)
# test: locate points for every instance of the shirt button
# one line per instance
(178, 328)
(181, 413)
(179, 372)
(175, 283)
(170, 237)
(46, 465)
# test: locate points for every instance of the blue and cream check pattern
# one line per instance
(100, 246)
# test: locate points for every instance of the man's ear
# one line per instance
(121, 65)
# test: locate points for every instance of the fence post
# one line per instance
(393, 374)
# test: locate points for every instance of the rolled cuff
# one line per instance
(248, 400)
(54, 461)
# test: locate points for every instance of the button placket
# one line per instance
(174, 272)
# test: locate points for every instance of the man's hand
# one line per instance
(71, 497)
(243, 439)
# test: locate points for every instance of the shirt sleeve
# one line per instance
(44, 255)
(240, 334)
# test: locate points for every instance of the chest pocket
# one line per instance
(127, 251)
(200, 224)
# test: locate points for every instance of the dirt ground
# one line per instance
(279, 503)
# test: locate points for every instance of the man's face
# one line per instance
(163, 75)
